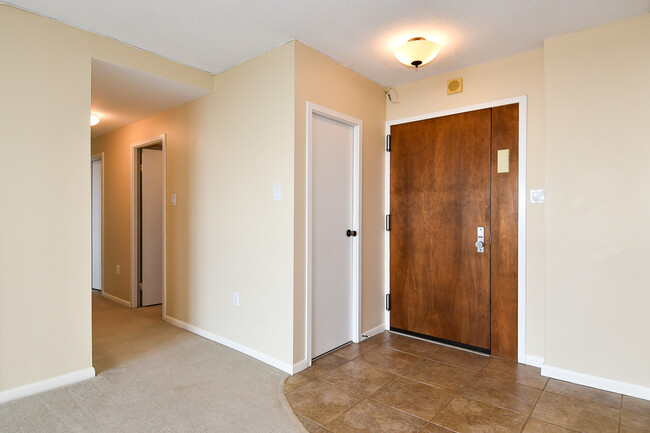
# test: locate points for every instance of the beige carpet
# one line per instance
(154, 377)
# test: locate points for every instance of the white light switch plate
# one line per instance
(277, 192)
(173, 199)
(537, 196)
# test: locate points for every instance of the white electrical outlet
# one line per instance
(117, 269)
(235, 299)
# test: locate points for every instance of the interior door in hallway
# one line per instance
(439, 197)
(152, 227)
(332, 183)
(96, 223)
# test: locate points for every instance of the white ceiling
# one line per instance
(122, 95)
(215, 35)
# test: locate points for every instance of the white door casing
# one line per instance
(521, 219)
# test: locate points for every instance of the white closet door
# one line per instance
(97, 224)
(332, 183)
(152, 223)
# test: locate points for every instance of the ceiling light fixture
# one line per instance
(417, 52)
(94, 119)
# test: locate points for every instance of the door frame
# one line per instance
(99, 157)
(521, 217)
(162, 140)
(356, 124)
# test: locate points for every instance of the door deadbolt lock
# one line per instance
(351, 233)
(480, 239)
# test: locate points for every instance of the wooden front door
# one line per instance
(439, 196)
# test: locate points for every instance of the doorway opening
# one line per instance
(333, 230)
(467, 206)
(148, 222)
(97, 217)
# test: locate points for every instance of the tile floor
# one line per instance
(392, 383)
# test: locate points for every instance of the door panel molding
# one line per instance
(521, 214)
(356, 124)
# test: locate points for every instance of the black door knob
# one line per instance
(351, 233)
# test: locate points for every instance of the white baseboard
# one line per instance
(273, 362)
(374, 331)
(115, 299)
(535, 361)
(597, 382)
(300, 366)
(46, 385)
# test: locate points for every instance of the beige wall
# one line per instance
(598, 201)
(224, 154)
(116, 240)
(522, 74)
(45, 312)
(324, 82)
(227, 150)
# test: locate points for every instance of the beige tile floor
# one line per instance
(393, 383)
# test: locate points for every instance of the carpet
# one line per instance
(154, 377)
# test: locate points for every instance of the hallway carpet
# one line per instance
(154, 377)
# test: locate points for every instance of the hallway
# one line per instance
(392, 383)
(154, 377)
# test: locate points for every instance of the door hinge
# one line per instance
(388, 302)
(388, 143)
(388, 222)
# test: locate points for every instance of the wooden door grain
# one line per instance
(505, 135)
(440, 194)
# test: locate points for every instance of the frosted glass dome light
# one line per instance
(417, 52)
